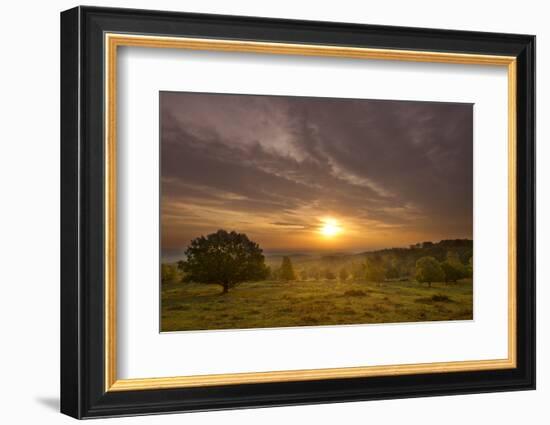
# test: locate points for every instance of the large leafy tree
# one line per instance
(428, 270)
(224, 258)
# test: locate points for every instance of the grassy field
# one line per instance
(267, 304)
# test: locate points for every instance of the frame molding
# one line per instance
(90, 38)
(113, 41)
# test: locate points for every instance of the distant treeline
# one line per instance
(447, 260)
(453, 257)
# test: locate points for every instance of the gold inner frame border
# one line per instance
(112, 41)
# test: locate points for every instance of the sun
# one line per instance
(330, 227)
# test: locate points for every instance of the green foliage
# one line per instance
(392, 272)
(453, 272)
(180, 265)
(287, 271)
(453, 268)
(169, 273)
(428, 270)
(399, 263)
(374, 270)
(224, 258)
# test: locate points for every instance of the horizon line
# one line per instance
(359, 252)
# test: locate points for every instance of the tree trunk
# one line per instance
(430, 284)
(225, 288)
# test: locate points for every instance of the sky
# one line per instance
(306, 174)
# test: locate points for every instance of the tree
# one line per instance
(453, 267)
(224, 258)
(374, 270)
(180, 267)
(451, 271)
(428, 270)
(392, 272)
(343, 275)
(287, 271)
(391, 264)
(453, 258)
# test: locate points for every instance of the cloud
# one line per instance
(277, 164)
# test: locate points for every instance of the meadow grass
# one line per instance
(266, 304)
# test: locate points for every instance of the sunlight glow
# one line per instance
(330, 227)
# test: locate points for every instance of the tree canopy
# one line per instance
(453, 268)
(374, 270)
(224, 258)
(429, 270)
(452, 271)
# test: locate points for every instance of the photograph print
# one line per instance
(287, 211)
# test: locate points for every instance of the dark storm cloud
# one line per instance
(272, 163)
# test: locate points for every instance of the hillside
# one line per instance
(403, 260)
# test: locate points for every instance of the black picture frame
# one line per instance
(83, 392)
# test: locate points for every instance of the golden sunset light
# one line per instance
(300, 208)
(330, 228)
(314, 175)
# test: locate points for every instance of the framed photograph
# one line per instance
(261, 212)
